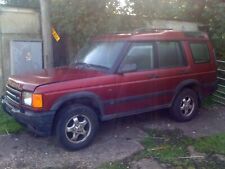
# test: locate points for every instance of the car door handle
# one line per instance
(184, 72)
(152, 76)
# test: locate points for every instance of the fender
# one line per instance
(184, 84)
(78, 95)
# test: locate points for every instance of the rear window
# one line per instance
(200, 52)
(170, 55)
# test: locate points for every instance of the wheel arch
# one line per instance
(191, 84)
(84, 98)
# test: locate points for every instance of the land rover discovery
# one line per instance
(115, 75)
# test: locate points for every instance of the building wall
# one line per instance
(15, 24)
(175, 25)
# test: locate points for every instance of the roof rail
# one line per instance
(150, 30)
(196, 34)
(120, 32)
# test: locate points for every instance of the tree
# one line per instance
(209, 12)
(214, 17)
(168, 9)
(83, 19)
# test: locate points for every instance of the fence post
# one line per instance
(46, 34)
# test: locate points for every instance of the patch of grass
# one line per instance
(8, 124)
(171, 146)
(167, 147)
(208, 101)
(211, 162)
(114, 165)
(211, 145)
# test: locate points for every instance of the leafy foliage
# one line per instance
(83, 19)
(208, 12)
(214, 17)
(168, 9)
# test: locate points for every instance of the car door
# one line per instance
(137, 88)
(172, 68)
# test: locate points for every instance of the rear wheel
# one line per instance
(76, 127)
(185, 106)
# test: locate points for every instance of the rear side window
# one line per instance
(170, 55)
(200, 52)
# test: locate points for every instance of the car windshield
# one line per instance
(99, 54)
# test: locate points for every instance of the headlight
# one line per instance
(27, 98)
(34, 100)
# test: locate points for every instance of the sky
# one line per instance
(122, 2)
(1, 1)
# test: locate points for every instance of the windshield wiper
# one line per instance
(98, 66)
(83, 64)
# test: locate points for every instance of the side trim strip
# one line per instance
(137, 98)
(134, 112)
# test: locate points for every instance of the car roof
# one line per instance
(152, 35)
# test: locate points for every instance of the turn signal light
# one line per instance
(37, 101)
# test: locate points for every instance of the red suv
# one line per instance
(114, 76)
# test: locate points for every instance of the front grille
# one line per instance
(13, 94)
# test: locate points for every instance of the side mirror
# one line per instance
(127, 68)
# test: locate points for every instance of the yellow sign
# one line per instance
(55, 35)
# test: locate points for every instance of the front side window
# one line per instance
(200, 52)
(170, 55)
(140, 54)
(100, 54)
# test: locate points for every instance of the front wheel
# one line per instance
(185, 106)
(77, 126)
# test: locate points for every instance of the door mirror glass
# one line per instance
(128, 68)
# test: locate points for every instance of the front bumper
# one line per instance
(39, 123)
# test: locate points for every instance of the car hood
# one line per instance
(47, 76)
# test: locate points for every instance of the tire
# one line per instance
(185, 107)
(76, 127)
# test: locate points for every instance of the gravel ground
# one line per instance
(116, 140)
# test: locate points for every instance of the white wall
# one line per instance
(15, 24)
(175, 25)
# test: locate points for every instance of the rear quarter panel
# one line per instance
(205, 73)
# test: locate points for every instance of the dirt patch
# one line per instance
(210, 121)
(25, 151)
